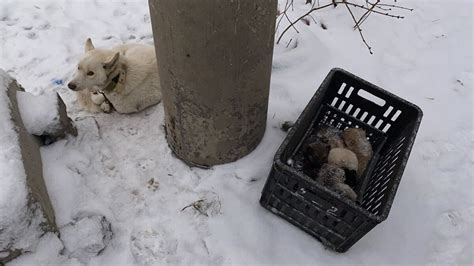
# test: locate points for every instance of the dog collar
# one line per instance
(117, 82)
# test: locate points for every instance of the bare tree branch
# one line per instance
(283, 14)
(366, 14)
(394, 6)
(375, 11)
(358, 28)
(298, 19)
(369, 7)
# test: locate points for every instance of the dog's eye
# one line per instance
(90, 73)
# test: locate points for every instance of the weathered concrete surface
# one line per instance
(214, 60)
(38, 195)
(66, 126)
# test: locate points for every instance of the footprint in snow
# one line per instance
(44, 26)
(452, 243)
(9, 22)
(148, 36)
(146, 19)
(146, 164)
(130, 131)
(443, 154)
(32, 35)
(154, 246)
(118, 13)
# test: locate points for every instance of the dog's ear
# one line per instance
(89, 46)
(111, 62)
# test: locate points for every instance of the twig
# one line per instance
(197, 206)
(289, 20)
(282, 15)
(358, 28)
(298, 19)
(375, 11)
(384, 8)
(287, 7)
(98, 128)
(191, 205)
(315, 22)
(358, 23)
(363, 20)
(395, 6)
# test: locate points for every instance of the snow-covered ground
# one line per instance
(120, 166)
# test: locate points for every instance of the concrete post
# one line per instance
(214, 60)
(14, 240)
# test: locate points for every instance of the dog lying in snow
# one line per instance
(124, 78)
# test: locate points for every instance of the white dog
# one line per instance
(125, 76)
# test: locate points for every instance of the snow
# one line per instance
(86, 236)
(48, 252)
(150, 247)
(18, 222)
(425, 58)
(39, 114)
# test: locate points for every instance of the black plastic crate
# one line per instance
(344, 100)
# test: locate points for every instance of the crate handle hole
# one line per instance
(369, 96)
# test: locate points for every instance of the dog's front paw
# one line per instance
(106, 107)
(97, 98)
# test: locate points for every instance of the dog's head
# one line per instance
(94, 68)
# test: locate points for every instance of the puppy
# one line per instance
(125, 77)
(91, 100)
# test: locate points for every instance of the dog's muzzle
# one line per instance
(72, 86)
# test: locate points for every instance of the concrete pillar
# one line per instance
(214, 60)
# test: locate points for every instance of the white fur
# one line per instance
(343, 158)
(84, 97)
(142, 85)
(97, 98)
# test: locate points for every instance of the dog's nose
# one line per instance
(72, 86)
